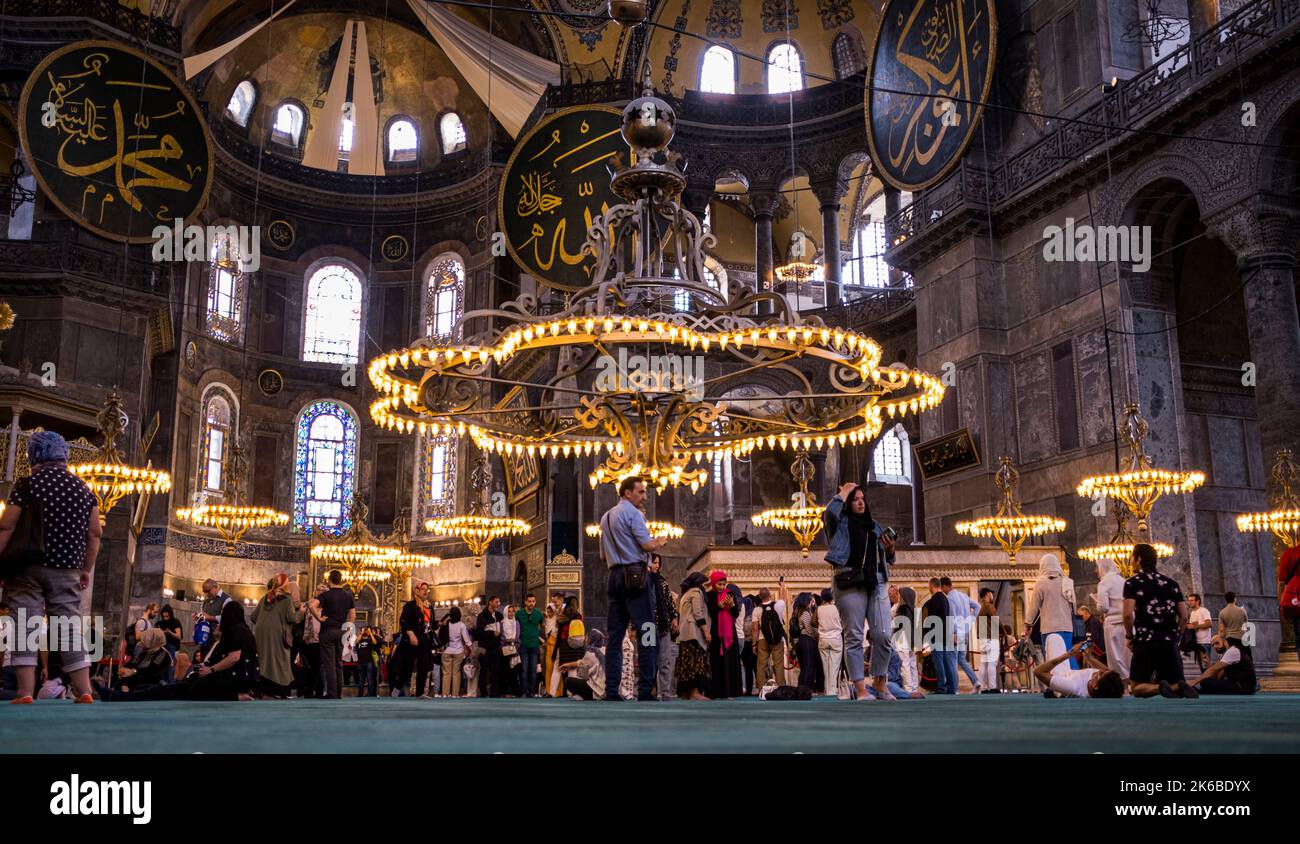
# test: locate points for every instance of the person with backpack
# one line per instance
(769, 638)
(455, 642)
(861, 553)
(49, 539)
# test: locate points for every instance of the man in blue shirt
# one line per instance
(962, 610)
(625, 546)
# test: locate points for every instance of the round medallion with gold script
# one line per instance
(929, 75)
(555, 184)
(270, 382)
(115, 140)
(279, 233)
(394, 248)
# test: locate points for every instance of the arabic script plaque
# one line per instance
(114, 140)
(930, 70)
(554, 186)
(948, 453)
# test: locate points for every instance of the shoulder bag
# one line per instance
(27, 543)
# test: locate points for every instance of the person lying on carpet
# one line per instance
(1094, 680)
(1232, 674)
(229, 673)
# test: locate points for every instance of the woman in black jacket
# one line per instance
(415, 649)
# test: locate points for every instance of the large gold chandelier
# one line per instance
(1120, 547)
(1008, 525)
(1140, 485)
(648, 297)
(233, 520)
(108, 475)
(804, 520)
(478, 528)
(1284, 519)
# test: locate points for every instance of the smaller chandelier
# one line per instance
(1141, 485)
(1120, 547)
(1008, 525)
(796, 271)
(233, 520)
(804, 521)
(1284, 519)
(357, 578)
(478, 528)
(109, 477)
(658, 530)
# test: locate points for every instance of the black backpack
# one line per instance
(444, 634)
(769, 625)
(790, 693)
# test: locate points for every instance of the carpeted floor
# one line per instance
(985, 724)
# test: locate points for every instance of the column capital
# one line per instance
(1259, 231)
(764, 202)
(829, 192)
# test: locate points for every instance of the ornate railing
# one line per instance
(156, 31)
(74, 259)
(864, 308)
(463, 167)
(1133, 100)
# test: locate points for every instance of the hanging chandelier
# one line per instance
(233, 520)
(649, 300)
(804, 520)
(796, 271)
(658, 530)
(1284, 519)
(1008, 525)
(1120, 547)
(356, 550)
(108, 476)
(478, 528)
(1140, 485)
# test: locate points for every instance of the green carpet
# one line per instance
(983, 724)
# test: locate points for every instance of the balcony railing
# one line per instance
(80, 261)
(866, 307)
(155, 31)
(1133, 100)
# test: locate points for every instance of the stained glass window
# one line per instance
(225, 291)
(324, 465)
(241, 102)
(333, 324)
(436, 478)
(217, 424)
(446, 292)
(784, 69)
(453, 133)
(718, 71)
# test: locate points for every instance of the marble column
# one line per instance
(893, 201)
(829, 195)
(764, 204)
(1201, 15)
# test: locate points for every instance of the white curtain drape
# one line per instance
(509, 79)
(322, 150)
(194, 65)
(366, 143)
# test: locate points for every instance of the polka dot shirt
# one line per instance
(66, 503)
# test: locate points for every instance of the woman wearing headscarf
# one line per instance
(229, 673)
(724, 648)
(904, 625)
(691, 673)
(585, 677)
(273, 620)
(1110, 604)
(564, 652)
(152, 666)
(861, 555)
(1052, 606)
(549, 628)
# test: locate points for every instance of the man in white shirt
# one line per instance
(830, 640)
(1094, 680)
(1110, 604)
(1199, 621)
(962, 610)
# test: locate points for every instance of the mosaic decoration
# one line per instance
(775, 13)
(324, 467)
(724, 19)
(670, 61)
(588, 29)
(833, 13)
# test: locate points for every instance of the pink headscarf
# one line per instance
(726, 618)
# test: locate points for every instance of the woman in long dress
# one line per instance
(691, 673)
(273, 620)
(724, 647)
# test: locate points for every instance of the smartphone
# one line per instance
(891, 533)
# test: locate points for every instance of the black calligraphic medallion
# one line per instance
(280, 234)
(394, 248)
(270, 382)
(930, 71)
(949, 453)
(555, 185)
(115, 140)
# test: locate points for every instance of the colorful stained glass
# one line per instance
(226, 283)
(333, 330)
(324, 467)
(446, 293)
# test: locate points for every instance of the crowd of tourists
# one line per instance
(862, 638)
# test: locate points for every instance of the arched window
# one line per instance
(324, 465)
(333, 322)
(715, 275)
(445, 295)
(784, 69)
(218, 422)
(867, 266)
(345, 133)
(891, 462)
(225, 309)
(847, 55)
(402, 141)
(436, 480)
(718, 71)
(241, 102)
(287, 129)
(452, 131)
